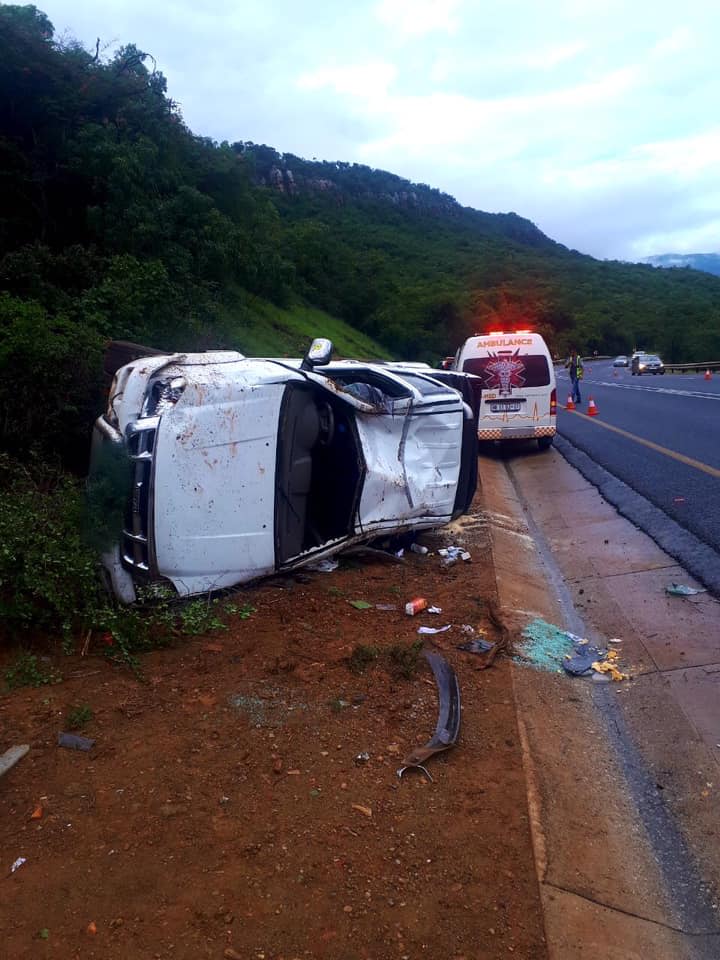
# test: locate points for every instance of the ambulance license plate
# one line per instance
(505, 407)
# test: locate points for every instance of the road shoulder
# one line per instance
(597, 828)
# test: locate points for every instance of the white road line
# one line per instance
(637, 386)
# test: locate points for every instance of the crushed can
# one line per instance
(415, 606)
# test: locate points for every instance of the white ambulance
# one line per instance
(519, 395)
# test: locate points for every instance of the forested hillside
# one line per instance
(118, 222)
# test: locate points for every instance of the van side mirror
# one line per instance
(319, 353)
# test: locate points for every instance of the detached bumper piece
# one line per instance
(447, 728)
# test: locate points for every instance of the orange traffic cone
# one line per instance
(708, 375)
(570, 405)
(592, 409)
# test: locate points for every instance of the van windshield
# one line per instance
(507, 371)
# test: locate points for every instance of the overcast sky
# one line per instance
(596, 119)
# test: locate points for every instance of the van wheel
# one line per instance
(544, 443)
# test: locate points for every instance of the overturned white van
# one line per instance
(218, 469)
(519, 395)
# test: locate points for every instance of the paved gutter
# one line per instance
(622, 779)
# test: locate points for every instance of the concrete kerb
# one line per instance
(691, 553)
(605, 920)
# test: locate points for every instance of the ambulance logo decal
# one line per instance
(504, 372)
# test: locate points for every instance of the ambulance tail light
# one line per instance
(553, 402)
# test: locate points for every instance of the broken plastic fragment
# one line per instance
(18, 863)
(324, 566)
(434, 629)
(681, 590)
(582, 662)
(447, 728)
(74, 742)
(478, 645)
(434, 609)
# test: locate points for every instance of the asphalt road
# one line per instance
(658, 434)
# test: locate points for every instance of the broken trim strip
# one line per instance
(447, 728)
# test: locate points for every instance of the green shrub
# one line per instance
(79, 716)
(27, 672)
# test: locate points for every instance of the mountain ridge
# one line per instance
(704, 262)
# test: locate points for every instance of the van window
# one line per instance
(507, 371)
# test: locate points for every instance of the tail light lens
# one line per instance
(553, 402)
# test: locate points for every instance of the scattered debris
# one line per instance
(362, 757)
(548, 647)
(681, 590)
(372, 553)
(38, 812)
(11, 757)
(583, 661)
(415, 606)
(365, 811)
(545, 645)
(418, 548)
(452, 554)
(360, 604)
(447, 728)
(324, 566)
(75, 742)
(18, 863)
(434, 629)
(478, 645)
(434, 610)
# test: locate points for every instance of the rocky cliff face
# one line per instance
(355, 183)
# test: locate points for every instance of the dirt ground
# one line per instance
(223, 814)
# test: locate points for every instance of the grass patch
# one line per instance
(361, 657)
(79, 716)
(404, 659)
(26, 671)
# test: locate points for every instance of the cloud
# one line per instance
(594, 118)
(365, 81)
(415, 18)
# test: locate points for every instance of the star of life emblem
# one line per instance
(503, 372)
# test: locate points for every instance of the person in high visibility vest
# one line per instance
(575, 366)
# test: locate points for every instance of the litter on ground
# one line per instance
(434, 629)
(324, 566)
(547, 647)
(682, 590)
(75, 742)
(478, 645)
(11, 757)
(452, 554)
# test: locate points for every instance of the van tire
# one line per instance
(544, 443)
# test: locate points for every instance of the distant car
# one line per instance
(647, 363)
(621, 362)
(213, 469)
